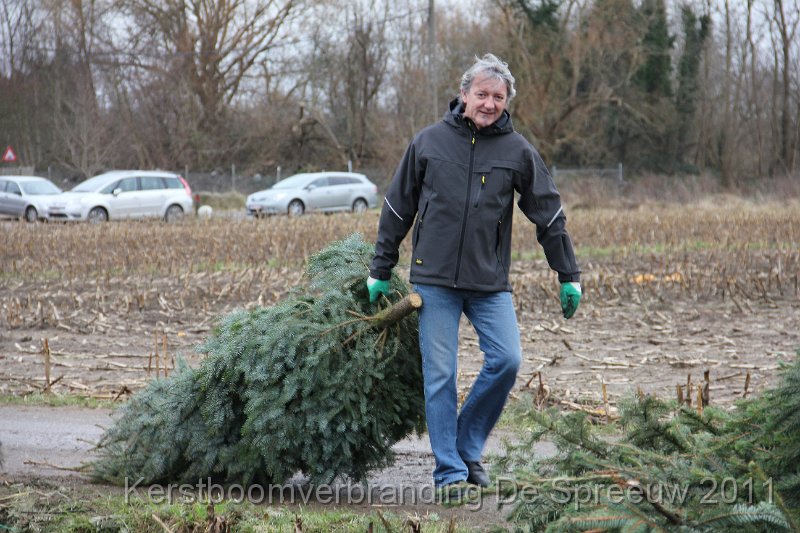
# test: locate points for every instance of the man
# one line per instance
(457, 180)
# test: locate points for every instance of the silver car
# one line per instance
(26, 197)
(319, 191)
(126, 194)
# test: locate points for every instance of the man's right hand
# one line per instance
(376, 287)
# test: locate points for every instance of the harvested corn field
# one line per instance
(670, 292)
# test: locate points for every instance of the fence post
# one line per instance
(554, 171)
(233, 177)
(619, 170)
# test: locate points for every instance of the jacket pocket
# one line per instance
(492, 184)
(498, 252)
(418, 229)
(480, 190)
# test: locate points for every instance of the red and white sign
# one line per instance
(9, 156)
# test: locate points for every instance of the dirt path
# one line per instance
(35, 437)
(38, 442)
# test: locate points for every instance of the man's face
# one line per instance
(485, 100)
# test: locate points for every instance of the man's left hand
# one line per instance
(570, 298)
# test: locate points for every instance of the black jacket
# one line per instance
(460, 184)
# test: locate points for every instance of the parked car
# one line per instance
(318, 191)
(126, 194)
(26, 197)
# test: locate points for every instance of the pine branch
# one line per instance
(283, 389)
(666, 513)
(664, 448)
(741, 515)
(788, 514)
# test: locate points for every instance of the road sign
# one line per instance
(9, 156)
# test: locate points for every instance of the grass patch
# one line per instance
(74, 511)
(42, 399)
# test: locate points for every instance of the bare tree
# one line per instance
(365, 71)
(727, 144)
(19, 30)
(18, 27)
(786, 22)
(750, 62)
(575, 62)
(81, 127)
(213, 45)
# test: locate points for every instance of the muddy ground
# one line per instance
(45, 447)
(652, 344)
(106, 336)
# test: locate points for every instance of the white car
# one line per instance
(126, 194)
(318, 191)
(26, 197)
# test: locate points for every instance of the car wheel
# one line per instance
(174, 212)
(360, 205)
(97, 214)
(296, 208)
(31, 215)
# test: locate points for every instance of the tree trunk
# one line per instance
(412, 302)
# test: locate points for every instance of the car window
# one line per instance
(340, 180)
(128, 184)
(3, 186)
(149, 183)
(91, 185)
(173, 183)
(39, 187)
(108, 189)
(319, 182)
(292, 182)
(12, 188)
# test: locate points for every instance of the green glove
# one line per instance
(570, 298)
(377, 287)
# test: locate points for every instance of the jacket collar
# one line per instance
(454, 116)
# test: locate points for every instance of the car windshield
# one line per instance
(90, 185)
(39, 187)
(292, 182)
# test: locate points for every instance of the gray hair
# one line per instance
(492, 67)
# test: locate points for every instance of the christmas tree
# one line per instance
(670, 468)
(323, 384)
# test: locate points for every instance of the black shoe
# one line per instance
(477, 475)
(452, 493)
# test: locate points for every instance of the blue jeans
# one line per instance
(460, 436)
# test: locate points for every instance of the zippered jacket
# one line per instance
(457, 186)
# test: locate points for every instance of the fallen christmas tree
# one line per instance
(673, 468)
(323, 384)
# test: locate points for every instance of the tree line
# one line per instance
(660, 86)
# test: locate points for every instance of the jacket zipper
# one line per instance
(466, 210)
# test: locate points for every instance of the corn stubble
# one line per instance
(66, 276)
